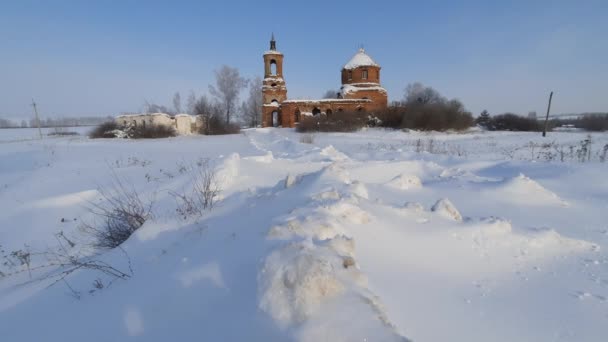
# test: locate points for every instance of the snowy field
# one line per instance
(368, 236)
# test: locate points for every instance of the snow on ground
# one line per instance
(375, 235)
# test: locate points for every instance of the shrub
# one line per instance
(438, 116)
(513, 122)
(122, 212)
(336, 122)
(152, 132)
(202, 192)
(593, 122)
(391, 117)
(62, 131)
(215, 125)
(111, 129)
(105, 130)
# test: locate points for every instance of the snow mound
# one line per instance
(458, 173)
(66, 200)
(404, 182)
(446, 209)
(333, 154)
(414, 206)
(267, 158)
(349, 212)
(522, 189)
(357, 188)
(297, 279)
(291, 180)
(339, 172)
(496, 226)
(311, 228)
(330, 194)
(228, 170)
(546, 238)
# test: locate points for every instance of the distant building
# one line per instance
(184, 124)
(361, 91)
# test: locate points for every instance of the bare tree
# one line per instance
(229, 84)
(177, 103)
(191, 103)
(252, 107)
(330, 94)
(419, 93)
(154, 108)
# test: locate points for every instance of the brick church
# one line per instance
(360, 91)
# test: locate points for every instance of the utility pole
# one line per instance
(547, 117)
(37, 118)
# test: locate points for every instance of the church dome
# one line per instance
(360, 59)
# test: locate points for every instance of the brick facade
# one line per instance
(360, 91)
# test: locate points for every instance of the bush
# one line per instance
(111, 129)
(593, 122)
(215, 125)
(152, 132)
(513, 122)
(122, 212)
(62, 131)
(439, 116)
(105, 130)
(391, 117)
(336, 122)
(201, 193)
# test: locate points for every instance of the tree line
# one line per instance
(55, 122)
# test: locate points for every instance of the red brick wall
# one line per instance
(373, 75)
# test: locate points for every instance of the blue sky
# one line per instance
(107, 57)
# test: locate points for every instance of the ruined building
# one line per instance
(360, 91)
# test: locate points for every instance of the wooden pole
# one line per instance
(37, 118)
(547, 117)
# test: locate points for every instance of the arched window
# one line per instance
(350, 75)
(274, 102)
(316, 111)
(273, 85)
(363, 74)
(328, 112)
(273, 67)
(134, 123)
(143, 123)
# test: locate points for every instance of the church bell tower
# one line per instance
(274, 91)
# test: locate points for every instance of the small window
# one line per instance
(350, 75)
(273, 85)
(364, 74)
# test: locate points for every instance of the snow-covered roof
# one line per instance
(360, 59)
(335, 101)
(347, 88)
(272, 52)
(143, 114)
